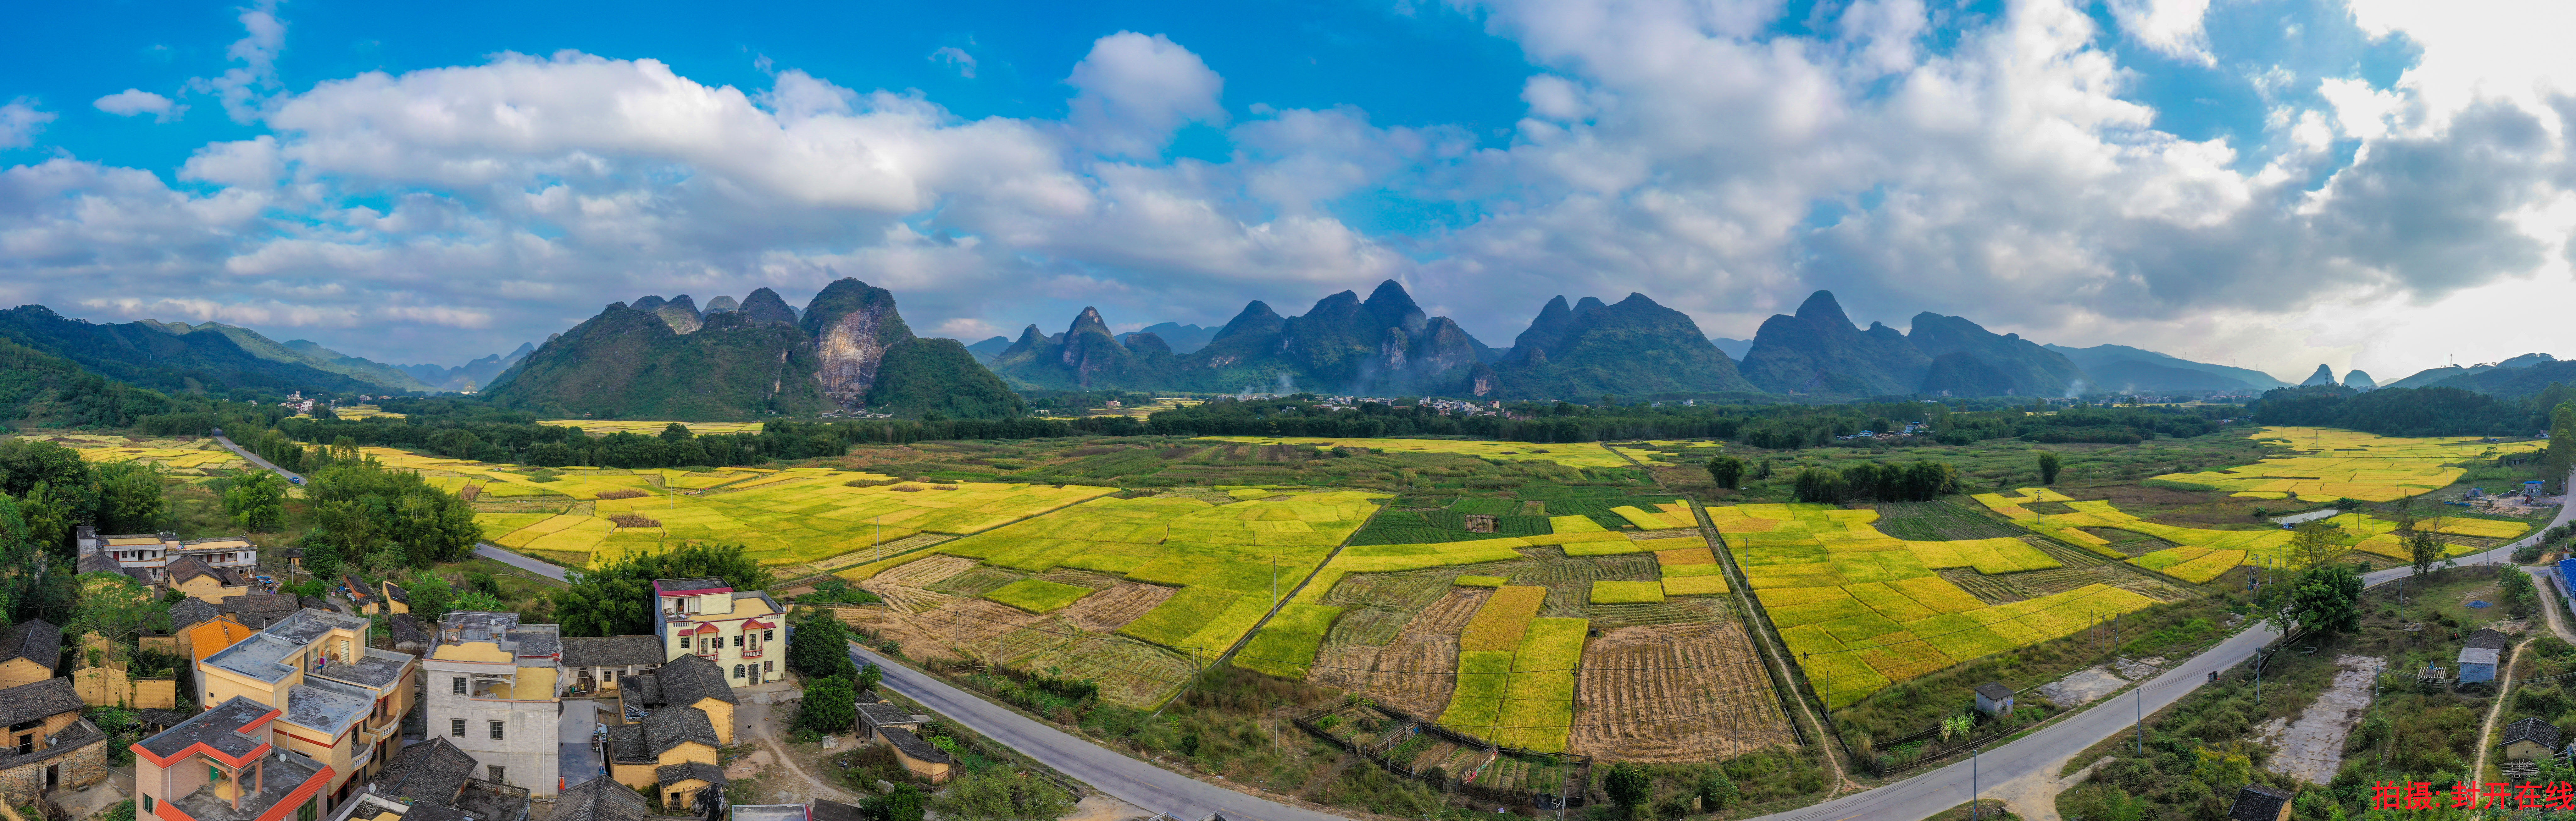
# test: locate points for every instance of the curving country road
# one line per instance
(538, 566)
(2048, 750)
(1153, 788)
(290, 476)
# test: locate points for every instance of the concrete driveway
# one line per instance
(575, 759)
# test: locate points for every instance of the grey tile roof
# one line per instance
(642, 690)
(600, 799)
(2488, 639)
(912, 745)
(219, 728)
(673, 726)
(698, 583)
(769, 812)
(35, 640)
(407, 630)
(189, 567)
(1994, 691)
(690, 677)
(882, 713)
(432, 770)
(98, 563)
(35, 702)
(397, 593)
(190, 612)
(612, 651)
(833, 811)
(626, 743)
(164, 719)
(670, 774)
(377, 669)
(2533, 730)
(259, 610)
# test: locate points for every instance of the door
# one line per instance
(53, 776)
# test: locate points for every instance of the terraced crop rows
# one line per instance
(1687, 692)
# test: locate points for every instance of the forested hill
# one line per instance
(169, 357)
(2438, 411)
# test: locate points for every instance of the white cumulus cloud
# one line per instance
(134, 101)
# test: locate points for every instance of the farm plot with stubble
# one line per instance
(1860, 609)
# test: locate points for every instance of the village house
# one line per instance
(2479, 657)
(259, 610)
(397, 600)
(2529, 739)
(152, 553)
(676, 718)
(233, 762)
(2260, 803)
(918, 756)
(192, 576)
(28, 652)
(50, 746)
(435, 774)
(707, 618)
(361, 595)
(495, 691)
(341, 702)
(597, 663)
(103, 675)
(600, 799)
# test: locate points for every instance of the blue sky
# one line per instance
(2274, 182)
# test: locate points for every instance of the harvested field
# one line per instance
(976, 582)
(1368, 625)
(1110, 609)
(1688, 692)
(1450, 614)
(1413, 674)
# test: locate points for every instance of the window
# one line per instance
(311, 810)
(737, 671)
(737, 641)
(675, 799)
(769, 667)
(608, 676)
(496, 730)
(496, 774)
(768, 635)
(456, 684)
(684, 642)
(456, 727)
(27, 743)
(344, 650)
(147, 805)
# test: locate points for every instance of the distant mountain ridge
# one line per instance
(1819, 350)
(176, 356)
(2156, 371)
(469, 376)
(849, 349)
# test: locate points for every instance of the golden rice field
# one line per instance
(1580, 455)
(2330, 464)
(185, 458)
(1862, 610)
(2201, 555)
(1225, 559)
(599, 427)
(363, 412)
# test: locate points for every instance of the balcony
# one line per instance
(751, 653)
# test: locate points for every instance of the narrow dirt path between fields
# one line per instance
(765, 731)
(2504, 689)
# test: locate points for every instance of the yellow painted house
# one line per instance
(341, 702)
(736, 630)
(204, 582)
(28, 652)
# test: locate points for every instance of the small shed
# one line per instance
(2478, 664)
(2489, 638)
(2528, 739)
(885, 714)
(917, 755)
(1994, 699)
(2260, 803)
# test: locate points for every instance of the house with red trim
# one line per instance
(738, 630)
(229, 763)
(342, 703)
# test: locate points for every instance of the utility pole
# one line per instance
(2138, 707)
(880, 522)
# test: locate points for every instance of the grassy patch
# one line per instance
(1038, 595)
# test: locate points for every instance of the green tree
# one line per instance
(2316, 544)
(431, 596)
(50, 517)
(361, 507)
(904, 804)
(829, 706)
(2048, 466)
(1628, 786)
(129, 499)
(2328, 598)
(257, 502)
(1716, 790)
(1727, 471)
(616, 599)
(1001, 794)
(818, 647)
(115, 606)
(2520, 596)
(479, 602)
(869, 676)
(2423, 549)
(2561, 456)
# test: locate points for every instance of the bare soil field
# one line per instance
(1450, 614)
(1685, 692)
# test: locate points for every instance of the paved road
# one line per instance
(575, 761)
(253, 458)
(531, 564)
(1153, 788)
(1925, 795)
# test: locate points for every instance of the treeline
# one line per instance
(1921, 481)
(2410, 411)
(1777, 426)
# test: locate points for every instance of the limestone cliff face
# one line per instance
(681, 314)
(852, 325)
